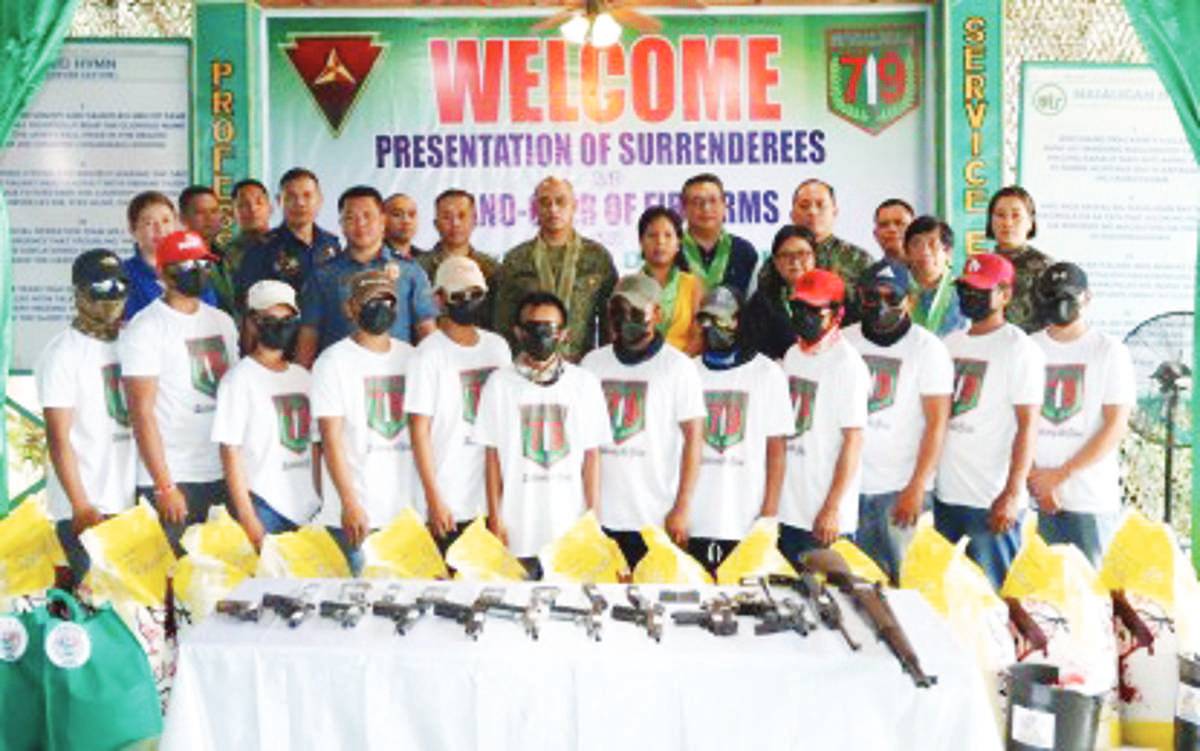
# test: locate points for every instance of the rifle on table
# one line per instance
(404, 616)
(871, 603)
(350, 608)
(292, 609)
(241, 610)
(717, 616)
(470, 617)
(640, 612)
(591, 618)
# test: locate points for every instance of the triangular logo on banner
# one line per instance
(334, 69)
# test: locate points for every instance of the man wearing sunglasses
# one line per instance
(656, 408)
(911, 379)
(92, 457)
(448, 375)
(173, 355)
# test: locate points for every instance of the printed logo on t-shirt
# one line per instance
(385, 404)
(544, 433)
(473, 382)
(885, 372)
(968, 384)
(294, 418)
(114, 395)
(804, 396)
(726, 423)
(626, 408)
(1063, 397)
(209, 362)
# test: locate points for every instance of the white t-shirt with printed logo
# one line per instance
(81, 373)
(188, 354)
(993, 373)
(445, 382)
(914, 367)
(367, 390)
(828, 392)
(1081, 378)
(541, 434)
(267, 414)
(639, 471)
(745, 405)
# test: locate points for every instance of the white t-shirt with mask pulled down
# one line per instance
(829, 392)
(1082, 377)
(993, 373)
(81, 373)
(914, 367)
(647, 401)
(366, 389)
(541, 434)
(188, 354)
(745, 405)
(445, 383)
(268, 416)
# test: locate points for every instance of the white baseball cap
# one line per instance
(270, 292)
(457, 273)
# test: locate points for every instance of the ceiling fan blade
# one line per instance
(636, 21)
(664, 4)
(554, 21)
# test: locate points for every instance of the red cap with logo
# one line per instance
(184, 245)
(819, 287)
(986, 270)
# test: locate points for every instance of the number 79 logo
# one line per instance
(874, 74)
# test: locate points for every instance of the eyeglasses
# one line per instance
(107, 289)
(192, 264)
(464, 296)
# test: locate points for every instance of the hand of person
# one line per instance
(1044, 483)
(172, 505)
(496, 527)
(676, 525)
(825, 526)
(909, 506)
(85, 517)
(355, 523)
(254, 530)
(1003, 514)
(441, 520)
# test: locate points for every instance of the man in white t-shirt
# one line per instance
(90, 447)
(269, 463)
(989, 447)
(358, 391)
(911, 380)
(747, 422)
(446, 379)
(173, 355)
(541, 421)
(1087, 399)
(829, 385)
(656, 407)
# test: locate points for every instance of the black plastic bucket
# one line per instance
(1187, 704)
(1043, 717)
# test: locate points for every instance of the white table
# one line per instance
(244, 685)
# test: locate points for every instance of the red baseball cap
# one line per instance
(184, 245)
(986, 270)
(819, 287)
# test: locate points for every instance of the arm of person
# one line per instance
(306, 346)
(689, 469)
(493, 484)
(439, 518)
(776, 464)
(239, 493)
(591, 480)
(316, 468)
(66, 467)
(142, 392)
(1044, 481)
(936, 408)
(355, 522)
(825, 526)
(1004, 507)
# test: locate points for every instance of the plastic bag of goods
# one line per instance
(29, 553)
(403, 549)
(756, 555)
(666, 563)
(478, 555)
(584, 554)
(308, 553)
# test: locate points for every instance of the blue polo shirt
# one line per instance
(283, 256)
(323, 303)
(145, 288)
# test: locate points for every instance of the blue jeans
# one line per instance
(794, 542)
(1091, 533)
(354, 556)
(77, 557)
(273, 522)
(994, 553)
(200, 497)
(878, 535)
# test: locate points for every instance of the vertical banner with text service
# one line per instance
(764, 98)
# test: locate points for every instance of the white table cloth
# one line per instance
(246, 686)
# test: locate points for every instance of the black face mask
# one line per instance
(718, 338)
(884, 322)
(538, 339)
(466, 313)
(1060, 310)
(807, 321)
(975, 304)
(377, 315)
(277, 333)
(190, 282)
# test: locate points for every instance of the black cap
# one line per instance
(96, 266)
(1062, 279)
(887, 271)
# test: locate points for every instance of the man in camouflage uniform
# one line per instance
(578, 270)
(454, 219)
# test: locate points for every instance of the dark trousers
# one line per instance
(632, 546)
(710, 551)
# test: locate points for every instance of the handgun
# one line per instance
(717, 616)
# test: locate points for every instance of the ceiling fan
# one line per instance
(599, 22)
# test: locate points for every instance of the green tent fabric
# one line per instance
(31, 35)
(1168, 30)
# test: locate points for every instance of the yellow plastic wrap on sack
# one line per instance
(29, 551)
(308, 553)
(403, 549)
(221, 538)
(666, 563)
(756, 555)
(131, 558)
(584, 554)
(201, 581)
(859, 562)
(478, 555)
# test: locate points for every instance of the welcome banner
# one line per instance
(764, 98)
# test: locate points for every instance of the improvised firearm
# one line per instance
(292, 609)
(405, 615)
(717, 616)
(241, 610)
(640, 612)
(871, 603)
(350, 608)
(591, 618)
(530, 615)
(775, 616)
(470, 617)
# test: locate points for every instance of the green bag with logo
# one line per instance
(21, 667)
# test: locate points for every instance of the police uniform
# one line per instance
(283, 256)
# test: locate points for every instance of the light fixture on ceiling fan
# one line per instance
(599, 23)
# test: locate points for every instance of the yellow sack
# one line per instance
(29, 551)
(665, 563)
(403, 549)
(859, 562)
(308, 553)
(584, 554)
(201, 581)
(131, 558)
(478, 555)
(756, 555)
(221, 538)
